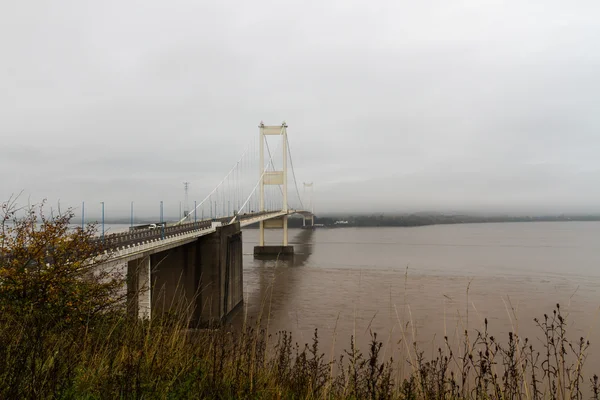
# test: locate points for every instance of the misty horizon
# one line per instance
(146, 218)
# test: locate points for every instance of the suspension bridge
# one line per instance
(198, 258)
(254, 191)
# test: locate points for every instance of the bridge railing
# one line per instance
(132, 237)
(140, 247)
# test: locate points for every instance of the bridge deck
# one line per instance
(133, 244)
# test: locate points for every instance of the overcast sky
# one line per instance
(391, 105)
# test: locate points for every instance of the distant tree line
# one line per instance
(438, 219)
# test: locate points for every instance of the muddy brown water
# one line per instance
(420, 284)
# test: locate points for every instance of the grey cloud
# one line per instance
(392, 105)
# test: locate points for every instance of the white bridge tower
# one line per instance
(278, 178)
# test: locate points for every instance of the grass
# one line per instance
(116, 357)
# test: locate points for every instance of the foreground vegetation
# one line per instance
(64, 333)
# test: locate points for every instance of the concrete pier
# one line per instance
(273, 251)
(202, 279)
(138, 288)
(221, 281)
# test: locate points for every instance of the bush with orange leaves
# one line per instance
(50, 273)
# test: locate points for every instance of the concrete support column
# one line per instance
(261, 238)
(175, 278)
(285, 230)
(200, 280)
(139, 288)
(145, 289)
(220, 264)
(210, 276)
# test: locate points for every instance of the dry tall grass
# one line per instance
(117, 357)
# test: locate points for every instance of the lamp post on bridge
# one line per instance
(162, 225)
(102, 220)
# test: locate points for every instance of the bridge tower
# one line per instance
(273, 178)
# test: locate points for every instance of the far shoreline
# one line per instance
(394, 221)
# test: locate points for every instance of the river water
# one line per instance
(420, 284)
